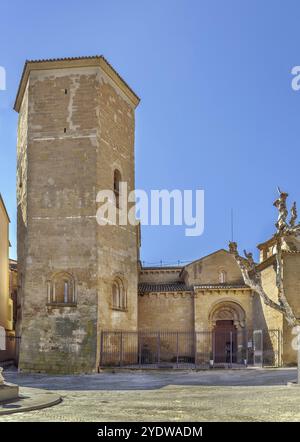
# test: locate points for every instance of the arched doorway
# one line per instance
(227, 319)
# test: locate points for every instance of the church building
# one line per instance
(86, 301)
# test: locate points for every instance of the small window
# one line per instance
(61, 289)
(117, 181)
(222, 277)
(66, 291)
(119, 298)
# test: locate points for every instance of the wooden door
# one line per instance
(225, 342)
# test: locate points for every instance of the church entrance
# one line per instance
(225, 342)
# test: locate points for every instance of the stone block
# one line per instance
(8, 392)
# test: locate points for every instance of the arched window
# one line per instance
(117, 180)
(61, 289)
(119, 298)
(222, 277)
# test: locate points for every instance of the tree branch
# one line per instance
(252, 278)
(288, 312)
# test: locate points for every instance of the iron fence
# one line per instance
(8, 347)
(188, 349)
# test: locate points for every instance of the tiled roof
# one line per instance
(221, 286)
(66, 59)
(162, 268)
(291, 252)
(146, 287)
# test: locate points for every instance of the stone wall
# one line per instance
(117, 245)
(166, 311)
(208, 269)
(161, 275)
(75, 127)
(207, 300)
(270, 318)
(291, 278)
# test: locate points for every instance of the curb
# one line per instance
(24, 403)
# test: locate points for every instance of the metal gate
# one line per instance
(257, 348)
(188, 349)
(9, 344)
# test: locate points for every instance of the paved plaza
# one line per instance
(233, 395)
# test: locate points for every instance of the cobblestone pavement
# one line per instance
(241, 395)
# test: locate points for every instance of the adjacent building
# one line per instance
(6, 302)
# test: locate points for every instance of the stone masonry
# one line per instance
(76, 127)
(77, 279)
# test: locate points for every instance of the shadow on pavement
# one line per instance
(152, 380)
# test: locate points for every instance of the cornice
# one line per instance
(73, 62)
(266, 263)
(4, 208)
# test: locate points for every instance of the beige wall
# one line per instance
(6, 307)
(188, 311)
(117, 246)
(166, 311)
(291, 278)
(207, 269)
(270, 318)
(207, 300)
(158, 275)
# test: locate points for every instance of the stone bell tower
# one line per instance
(76, 278)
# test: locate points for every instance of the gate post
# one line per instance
(258, 348)
(121, 349)
(158, 349)
(231, 349)
(101, 349)
(246, 343)
(195, 349)
(139, 349)
(177, 350)
(213, 337)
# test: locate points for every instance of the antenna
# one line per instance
(231, 225)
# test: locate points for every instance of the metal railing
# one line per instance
(9, 347)
(188, 349)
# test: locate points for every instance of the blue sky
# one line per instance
(217, 111)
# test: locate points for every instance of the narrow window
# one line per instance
(115, 294)
(66, 287)
(222, 277)
(117, 181)
(49, 291)
(118, 295)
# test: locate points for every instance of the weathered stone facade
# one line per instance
(76, 127)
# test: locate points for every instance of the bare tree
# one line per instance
(252, 276)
